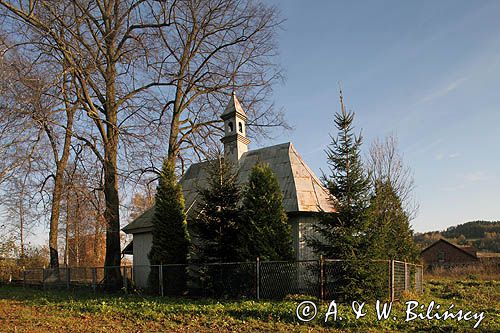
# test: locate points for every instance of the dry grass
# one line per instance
(480, 272)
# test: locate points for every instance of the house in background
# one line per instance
(303, 194)
(444, 253)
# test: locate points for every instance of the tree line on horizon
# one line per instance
(483, 235)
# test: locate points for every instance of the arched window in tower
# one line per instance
(230, 125)
(240, 127)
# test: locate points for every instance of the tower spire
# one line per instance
(235, 140)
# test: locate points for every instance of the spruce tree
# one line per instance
(171, 241)
(343, 234)
(216, 228)
(265, 232)
(391, 236)
(219, 214)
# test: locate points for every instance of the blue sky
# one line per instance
(427, 71)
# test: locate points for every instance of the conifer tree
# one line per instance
(342, 235)
(265, 232)
(171, 241)
(219, 214)
(216, 229)
(391, 235)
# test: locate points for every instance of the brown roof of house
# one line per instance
(302, 190)
(466, 249)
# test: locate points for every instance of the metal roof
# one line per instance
(233, 106)
(302, 190)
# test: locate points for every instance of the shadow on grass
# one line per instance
(148, 307)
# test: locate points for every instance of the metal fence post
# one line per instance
(160, 277)
(389, 277)
(321, 278)
(257, 277)
(125, 279)
(406, 277)
(94, 279)
(422, 279)
(392, 280)
(68, 277)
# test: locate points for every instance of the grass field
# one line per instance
(34, 310)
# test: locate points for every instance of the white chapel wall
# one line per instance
(142, 246)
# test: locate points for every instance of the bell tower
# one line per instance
(234, 140)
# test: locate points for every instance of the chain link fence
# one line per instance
(405, 277)
(11, 274)
(324, 278)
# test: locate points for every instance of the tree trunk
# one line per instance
(113, 280)
(54, 216)
(112, 217)
(96, 241)
(77, 232)
(58, 186)
(173, 149)
(66, 237)
(173, 145)
(21, 229)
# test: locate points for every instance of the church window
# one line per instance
(230, 125)
(240, 127)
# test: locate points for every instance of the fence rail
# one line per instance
(258, 279)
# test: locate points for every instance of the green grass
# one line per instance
(34, 310)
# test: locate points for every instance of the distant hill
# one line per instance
(483, 235)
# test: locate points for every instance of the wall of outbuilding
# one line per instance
(442, 253)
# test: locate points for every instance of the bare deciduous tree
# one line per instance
(41, 97)
(386, 165)
(84, 227)
(215, 48)
(137, 64)
(100, 41)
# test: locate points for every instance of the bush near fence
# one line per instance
(387, 279)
